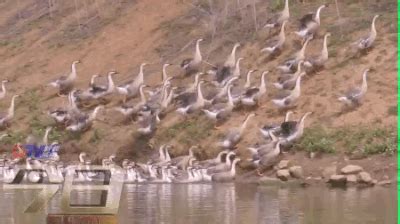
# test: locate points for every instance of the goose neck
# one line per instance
(197, 55)
(111, 84)
(373, 29)
(233, 167)
(3, 87)
(245, 124)
(317, 15)
(364, 85)
(230, 98)
(142, 96)
(12, 107)
(200, 94)
(73, 71)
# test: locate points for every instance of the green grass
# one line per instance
(370, 140)
(96, 136)
(189, 132)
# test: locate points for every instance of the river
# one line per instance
(230, 203)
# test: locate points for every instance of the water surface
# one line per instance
(229, 203)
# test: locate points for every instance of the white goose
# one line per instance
(367, 41)
(277, 45)
(66, 83)
(234, 136)
(196, 105)
(191, 65)
(220, 112)
(252, 95)
(279, 18)
(354, 96)
(228, 175)
(290, 64)
(131, 89)
(309, 24)
(84, 122)
(291, 99)
(129, 110)
(297, 133)
(319, 61)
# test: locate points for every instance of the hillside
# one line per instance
(39, 39)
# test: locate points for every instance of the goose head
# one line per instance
(199, 40)
(76, 62)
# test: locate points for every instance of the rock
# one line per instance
(374, 181)
(351, 169)
(329, 171)
(296, 172)
(351, 179)
(365, 177)
(283, 174)
(338, 180)
(384, 183)
(284, 164)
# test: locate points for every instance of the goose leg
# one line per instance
(259, 173)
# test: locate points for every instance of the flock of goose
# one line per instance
(147, 106)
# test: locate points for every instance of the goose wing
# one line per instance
(305, 20)
(353, 94)
(251, 92)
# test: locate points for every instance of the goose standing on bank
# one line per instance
(198, 104)
(252, 95)
(269, 159)
(235, 73)
(367, 41)
(289, 65)
(221, 112)
(275, 47)
(234, 136)
(84, 122)
(95, 92)
(66, 83)
(279, 18)
(291, 99)
(5, 118)
(309, 24)
(3, 89)
(225, 71)
(354, 96)
(191, 65)
(129, 110)
(131, 89)
(276, 128)
(298, 131)
(318, 62)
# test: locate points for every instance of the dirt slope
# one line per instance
(38, 43)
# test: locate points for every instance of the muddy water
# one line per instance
(229, 203)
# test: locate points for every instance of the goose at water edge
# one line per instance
(354, 96)
(196, 105)
(228, 175)
(66, 83)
